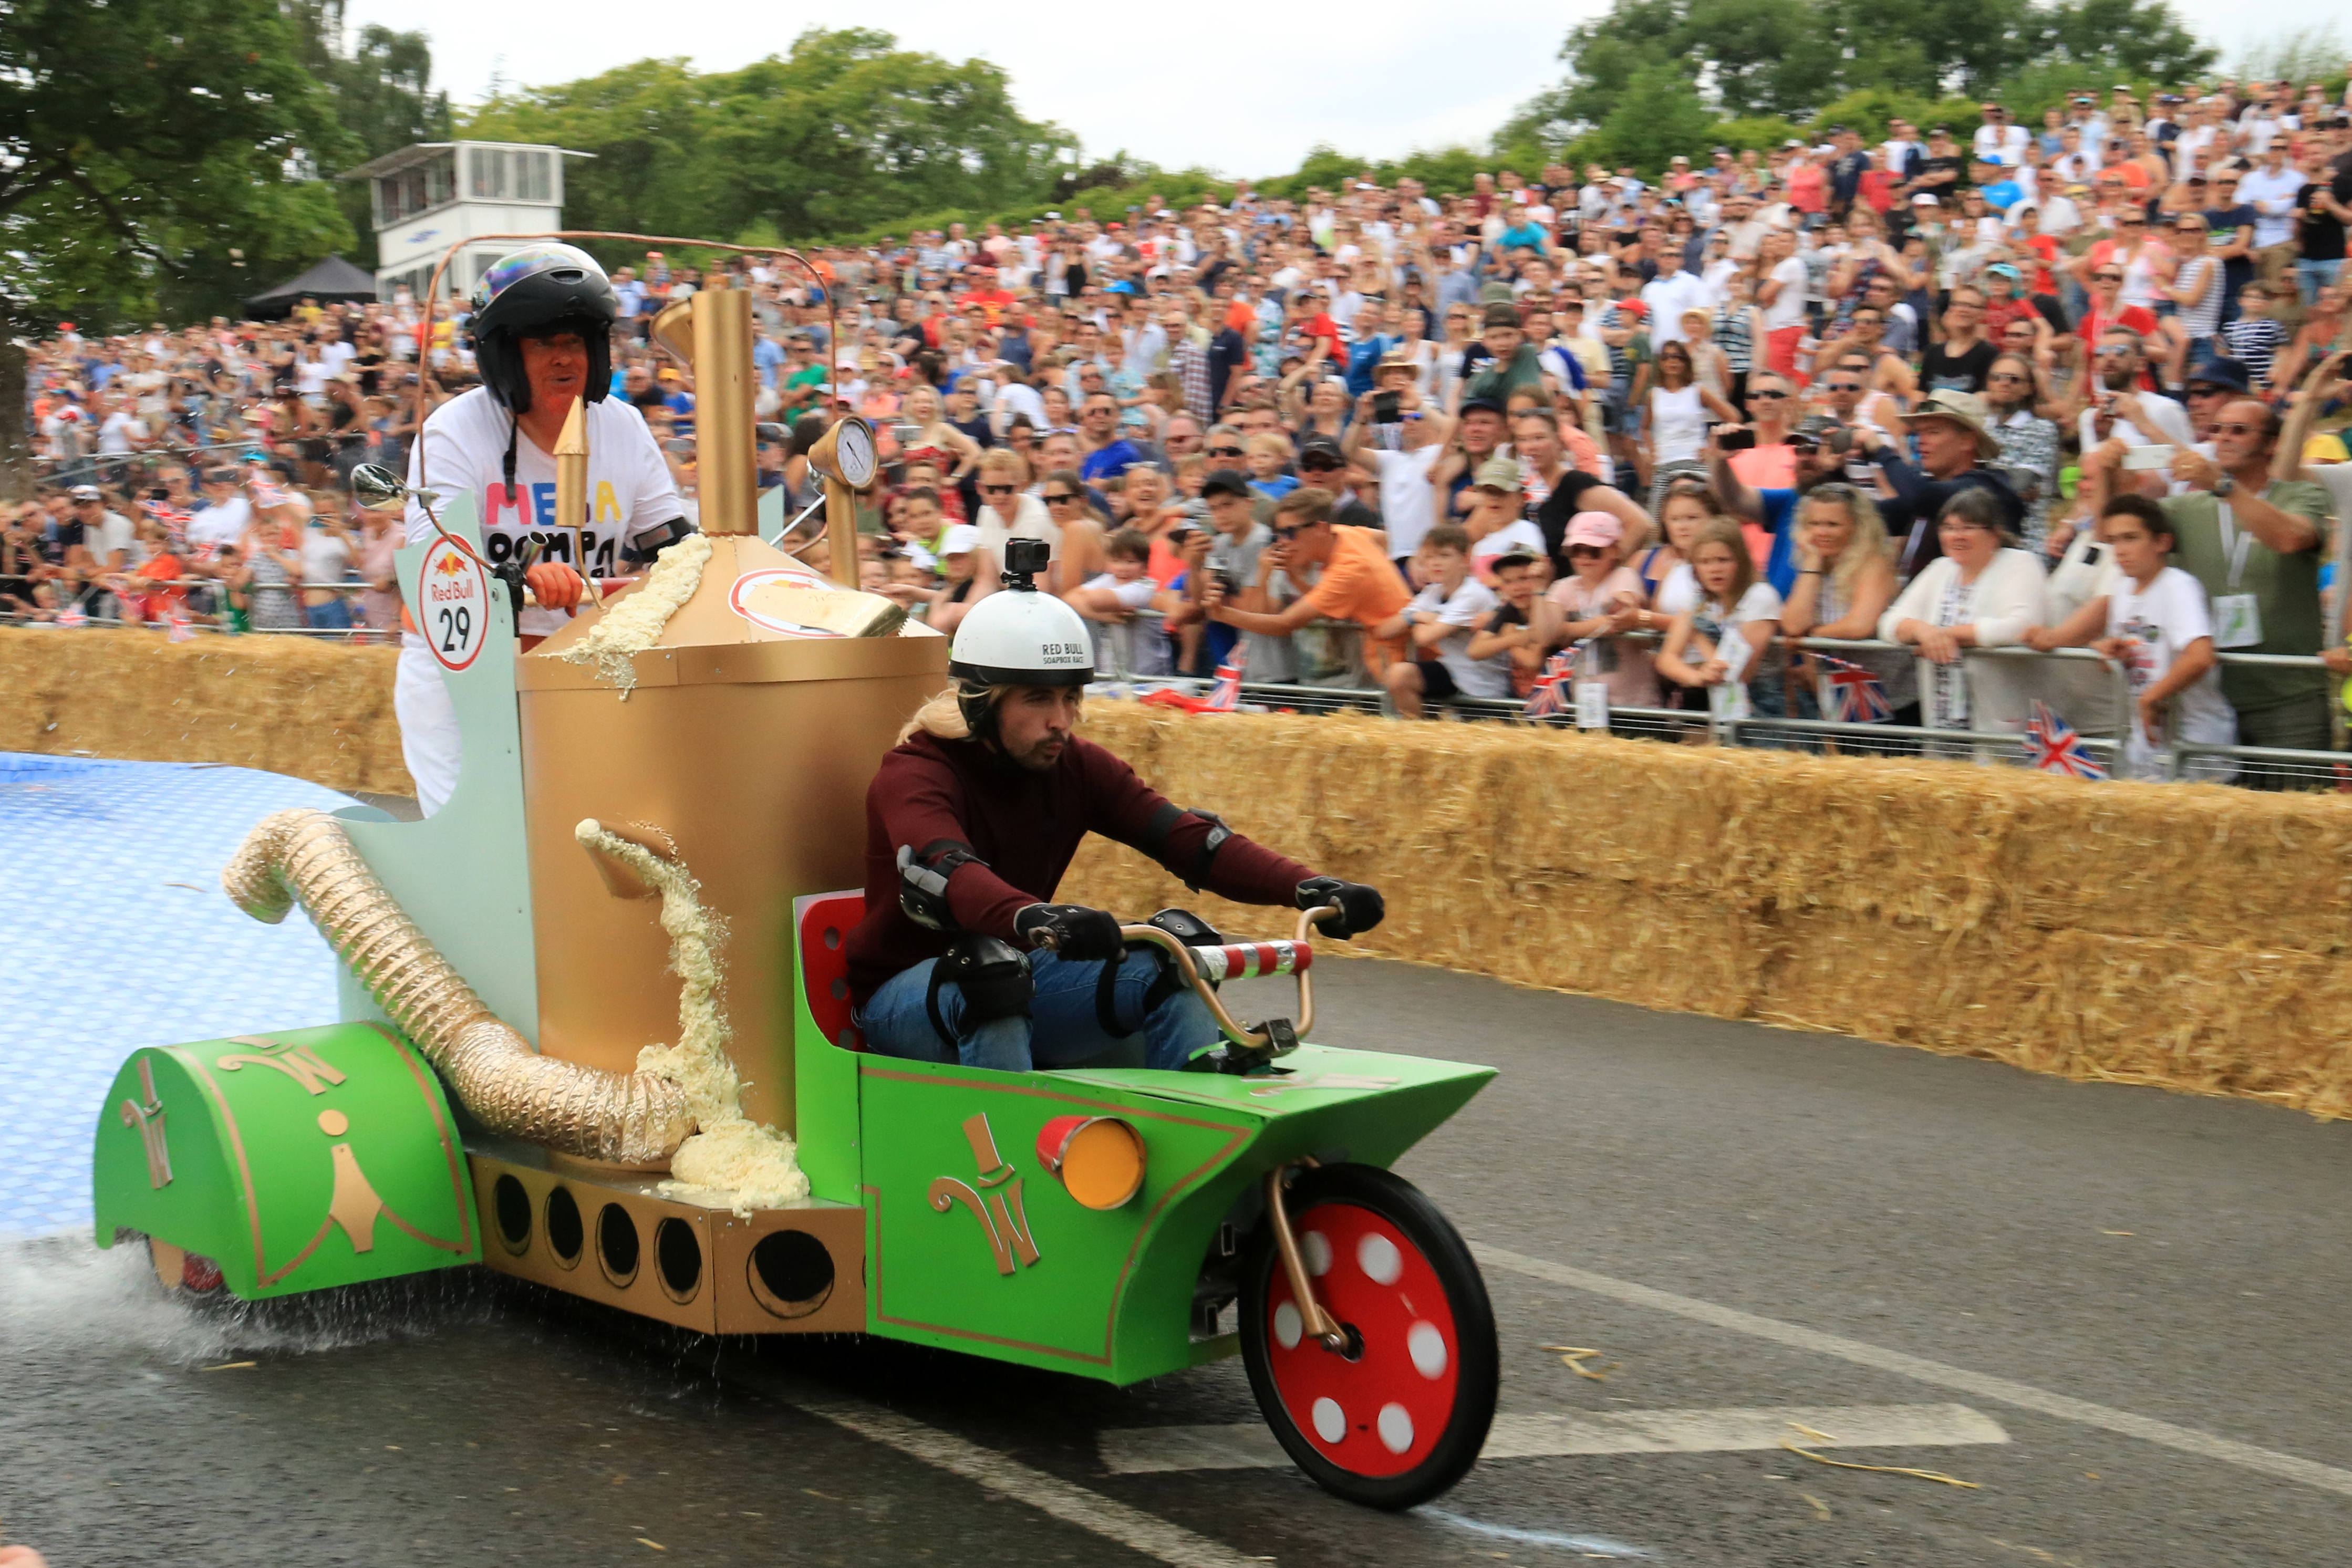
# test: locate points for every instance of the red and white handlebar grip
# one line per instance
(1248, 960)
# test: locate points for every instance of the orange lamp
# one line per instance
(1099, 1159)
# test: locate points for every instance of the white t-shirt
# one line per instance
(114, 435)
(2162, 620)
(1668, 297)
(1520, 535)
(1788, 306)
(1408, 502)
(212, 528)
(2273, 199)
(325, 557)
(1678, 590)
(463, 452)
(1466, 608)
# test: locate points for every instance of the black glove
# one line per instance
(1072, 930)
(1360, 907)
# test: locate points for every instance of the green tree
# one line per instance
(1658, 115)
(845, 133)
(380, 87)
(154, 160)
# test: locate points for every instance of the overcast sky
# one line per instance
(1243, 87)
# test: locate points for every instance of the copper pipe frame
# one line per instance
(425, 378)
(1320, 1325)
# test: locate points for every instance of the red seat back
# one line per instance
(825, 920)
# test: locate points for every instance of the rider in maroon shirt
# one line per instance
(971, 822)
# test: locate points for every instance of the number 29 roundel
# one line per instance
(455, 604)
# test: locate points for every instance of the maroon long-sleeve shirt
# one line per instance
(1026, 826)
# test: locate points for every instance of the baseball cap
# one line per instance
(1600, 528)
(1501, 313)
(1225, 481)
(2228, 375)
(85, 492)
(959, 538)
(1320, 446)
(1517, 555)
(1497, 473)
(1490, 405)
(1924, 200)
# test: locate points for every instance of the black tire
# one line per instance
(1384, 1392)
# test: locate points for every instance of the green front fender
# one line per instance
(297, 1161)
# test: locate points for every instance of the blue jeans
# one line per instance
(1062, 1029)
(2311, 277)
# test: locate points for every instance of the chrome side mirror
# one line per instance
(377, 489)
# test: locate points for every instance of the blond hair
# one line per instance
(941, 714)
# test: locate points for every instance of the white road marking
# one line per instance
(2025, 1395)
(1106, 1517)
(1144, 1449)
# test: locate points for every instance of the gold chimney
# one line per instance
(758, 718)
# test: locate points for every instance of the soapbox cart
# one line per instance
(483, 1102)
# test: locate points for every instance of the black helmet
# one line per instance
(533, 292)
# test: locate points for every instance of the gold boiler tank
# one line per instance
(744, 751)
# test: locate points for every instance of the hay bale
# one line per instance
(297, 705)
(2186, 936)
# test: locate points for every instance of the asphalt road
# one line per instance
(2144, 1292)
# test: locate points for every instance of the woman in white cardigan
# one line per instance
(1982, 592)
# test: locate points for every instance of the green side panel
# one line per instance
(991, 1255)
(297, 1161)
(1108, 1295)
(463, 873)
(824, 1101)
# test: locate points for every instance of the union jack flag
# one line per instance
(182, 632)
(174, 522)
(1855, 694)
(2053, 747)
(73, 614)
(1225, 691)
(1546, 700)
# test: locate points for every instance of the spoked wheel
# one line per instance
(1401, 1413)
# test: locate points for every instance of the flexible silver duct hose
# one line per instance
(304, 855)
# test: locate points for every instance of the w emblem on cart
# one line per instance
(996, 1204)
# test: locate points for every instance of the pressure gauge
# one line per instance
(853, 454)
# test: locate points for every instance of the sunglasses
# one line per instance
(1842, 386)
(1224, 451)
(1767, 394)
(2107, 277)
(1575, 550)
(2004, 376)
(1052, 499)
(1287, 535)
(998, 489)
(2233, 427)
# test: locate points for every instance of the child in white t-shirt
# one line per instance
(2155, 623)
(1114, 597)
(1439, 623)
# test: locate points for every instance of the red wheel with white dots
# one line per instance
(1399, 1413)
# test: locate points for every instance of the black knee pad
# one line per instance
(993, 975)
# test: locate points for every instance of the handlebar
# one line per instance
(1270, 957)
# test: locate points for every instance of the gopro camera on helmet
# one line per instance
(1024, 559)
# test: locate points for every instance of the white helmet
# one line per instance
(1020, 637)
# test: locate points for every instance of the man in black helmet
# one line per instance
(970, 824)
(542, 323)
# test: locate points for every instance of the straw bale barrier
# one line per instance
(298, 705)
(2188, 935)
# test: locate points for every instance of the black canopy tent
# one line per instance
(333, 279)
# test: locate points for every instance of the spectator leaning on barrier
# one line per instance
(2255, 544)
(1346, 573)
(1980, 591)
(2155, 624)
(1438, 627)
(1238, 567)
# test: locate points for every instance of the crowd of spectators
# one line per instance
(1420, 441)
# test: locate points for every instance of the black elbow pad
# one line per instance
(641, 551)
(923, 879)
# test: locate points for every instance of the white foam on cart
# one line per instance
(635, 624)
(730, 1161)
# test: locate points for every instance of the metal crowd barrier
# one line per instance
(2269, 766)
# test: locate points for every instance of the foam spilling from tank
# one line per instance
(65, 1303)
(730, 1161)
(634, 623)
